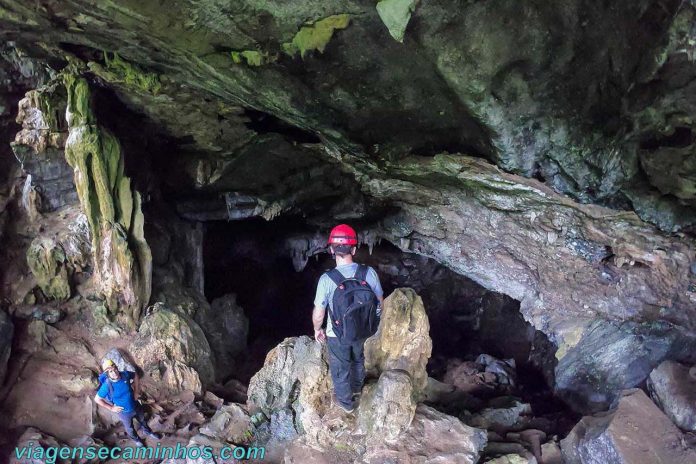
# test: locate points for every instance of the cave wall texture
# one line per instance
(543, 149)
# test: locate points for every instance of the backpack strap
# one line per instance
(361, 273)
(335, 275)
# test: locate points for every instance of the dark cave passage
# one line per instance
(253, 259)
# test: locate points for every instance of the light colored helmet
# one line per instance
(107, 363)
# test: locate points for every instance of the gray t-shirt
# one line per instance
(326, 288)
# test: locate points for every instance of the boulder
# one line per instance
(6, 332)
(226, 328)
(33, 447)
(402, 341)
(502, 413)
(172, 349)
(599, 359)
(551, 453)
(46, 259)
(231, 423)
(387, 407)
(122, 363)
(512, 459)
(433, 438)
(295, 375)
(55, 256)
(635, 432)
(674, 390)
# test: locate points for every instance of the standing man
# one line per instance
(116, 395)
(353, 295)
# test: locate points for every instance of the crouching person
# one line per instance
(118, 396)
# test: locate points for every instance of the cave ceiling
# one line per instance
(595, 99)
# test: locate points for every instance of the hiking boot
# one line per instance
(346, 409)
(139, 443)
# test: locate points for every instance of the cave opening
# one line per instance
(258, 261)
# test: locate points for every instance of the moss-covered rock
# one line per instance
(123, 262)
(47, 261)
(316, 36)
(117, 70)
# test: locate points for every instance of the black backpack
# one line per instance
(354, 306)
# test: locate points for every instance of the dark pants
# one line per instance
(127, 420)
(347, 365)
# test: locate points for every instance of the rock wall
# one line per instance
(123, 261)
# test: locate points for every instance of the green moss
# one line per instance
(118, 70)
(50, 100)
(112, 207)
(253, 57)
(316, 36)
(78, 111)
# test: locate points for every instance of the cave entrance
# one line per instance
(258, 261)
(253, 259)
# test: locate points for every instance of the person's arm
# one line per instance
(319, 311)
(105, 404)
(373, 281)
(318, 321)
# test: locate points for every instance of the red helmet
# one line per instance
(343, 234)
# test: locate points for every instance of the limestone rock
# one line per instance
(122, 258)
(40, 144)
(46, 259)
(432, 438)
(226, 328)
(674, 391)
(172, 348)
(295, 375)
(231, 423)
(121, 361)
(402, 341)
(599, 359)
(511, 459)
(395, 14)
(6, 333)
(501, 415)
(551, 453)
(55, 256)
(636, 432)
(387, 407)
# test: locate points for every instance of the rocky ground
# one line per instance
(475, 414)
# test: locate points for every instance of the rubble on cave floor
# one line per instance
(479, 410)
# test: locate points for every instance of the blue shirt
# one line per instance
(123, 394)
(326, 288)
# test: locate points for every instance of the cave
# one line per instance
(520, 175)
(265, 264)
